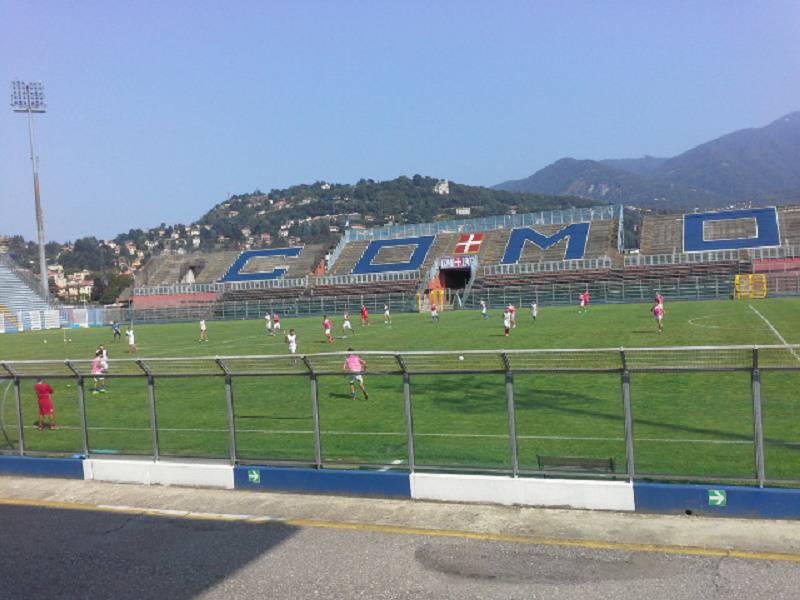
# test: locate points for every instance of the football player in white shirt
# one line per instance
(291, 339)
(387, 316)
(268, 323)
(347, 327)
(132, 349)
(507, 322)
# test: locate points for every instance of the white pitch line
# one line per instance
(776, 332)
(442, 435)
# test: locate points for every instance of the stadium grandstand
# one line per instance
(548, 257)
(21, 305)
(404, 260)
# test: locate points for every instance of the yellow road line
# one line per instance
(402, 530)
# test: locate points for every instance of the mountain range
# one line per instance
(749, 166)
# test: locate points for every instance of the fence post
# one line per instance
(758, 424)
(628, 410)
(82, 411)
(18, 394)
(151, 396)
(412, 461)
(231, 412)
(81, 408)
(20, 427)
(512, 417)
(315, 412)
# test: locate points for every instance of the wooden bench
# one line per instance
(576, 464)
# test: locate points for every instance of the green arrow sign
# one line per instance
(254, 476)
(717, 498)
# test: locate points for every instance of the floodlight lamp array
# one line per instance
(28, 96)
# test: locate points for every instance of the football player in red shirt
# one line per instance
(46, 408)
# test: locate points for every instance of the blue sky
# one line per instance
(159, 110)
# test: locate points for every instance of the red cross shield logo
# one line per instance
(469, 243)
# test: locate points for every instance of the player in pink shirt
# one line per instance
(355, 365)
(327, 325)
(98, 373)
(513, 312)
(658, 313)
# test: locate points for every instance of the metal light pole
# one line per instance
(28, 97)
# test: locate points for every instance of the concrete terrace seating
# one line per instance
(542, 278)
(15, 293)
(380, 287)
(210, 267)
(789, 222)
(298, 267)
(777, 265)
(443, 245)
(263, 294)
(349, 257)
(687, 270)
(602, 242)
(493, 246)
(662, 235)
(215, 266)
(169, 269)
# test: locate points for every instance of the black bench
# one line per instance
(575, 464)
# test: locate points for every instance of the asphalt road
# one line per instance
(54, 553)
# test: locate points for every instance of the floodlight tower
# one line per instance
(28, 97)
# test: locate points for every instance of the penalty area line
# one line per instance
(776, 332)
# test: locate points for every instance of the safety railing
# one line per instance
(196, 288)
(680, 413)
(680, 258)
(779, 252)
(360, 279)
(548, 266)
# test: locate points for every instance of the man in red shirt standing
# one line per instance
(46, 408)
(364, 315)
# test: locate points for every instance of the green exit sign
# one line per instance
(717, 498)
(253, 475)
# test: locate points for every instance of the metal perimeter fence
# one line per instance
(555, 294)
(718, 287)
(676, 413)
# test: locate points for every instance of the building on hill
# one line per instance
(442, 187)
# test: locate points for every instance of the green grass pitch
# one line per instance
(698, 424)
